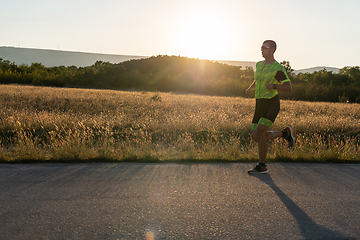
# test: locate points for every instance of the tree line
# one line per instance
(183, 75)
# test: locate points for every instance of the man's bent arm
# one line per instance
(285, 87)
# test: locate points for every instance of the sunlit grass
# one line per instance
(59, 124)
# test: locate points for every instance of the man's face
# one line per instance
(266, 50)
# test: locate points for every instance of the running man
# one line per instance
(270, 78)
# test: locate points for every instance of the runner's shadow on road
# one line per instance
(309, 228)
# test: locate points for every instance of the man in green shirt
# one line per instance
(270, 78)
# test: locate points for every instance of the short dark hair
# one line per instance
(272, 43)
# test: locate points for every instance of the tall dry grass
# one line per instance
(60, 124)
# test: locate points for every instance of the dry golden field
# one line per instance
(63, 124)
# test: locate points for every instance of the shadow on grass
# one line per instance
(308, 227)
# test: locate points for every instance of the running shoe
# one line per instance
(290, 136)
(258, 169)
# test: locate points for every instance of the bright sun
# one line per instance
(204, 36)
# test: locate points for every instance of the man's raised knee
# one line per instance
(259, 132)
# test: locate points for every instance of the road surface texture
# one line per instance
(179, 201)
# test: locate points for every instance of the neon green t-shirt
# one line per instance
(272, 73)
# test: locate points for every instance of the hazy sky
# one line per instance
(308, 32)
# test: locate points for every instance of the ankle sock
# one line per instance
(262, 164)
(285, 133)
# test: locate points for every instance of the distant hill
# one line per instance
(316, 69)
(51, 58)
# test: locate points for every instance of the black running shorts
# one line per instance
(266, 111)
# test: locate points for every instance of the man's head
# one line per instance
(268, 48)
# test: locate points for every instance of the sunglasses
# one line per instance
(265, 47)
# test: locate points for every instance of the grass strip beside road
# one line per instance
(43, 124)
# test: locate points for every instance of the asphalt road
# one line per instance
(179, 201)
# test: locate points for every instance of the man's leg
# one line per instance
(273, 134)
(286, 133)
(260, 136)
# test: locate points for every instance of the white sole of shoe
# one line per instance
(263, 172)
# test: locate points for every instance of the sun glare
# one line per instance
(204, 36)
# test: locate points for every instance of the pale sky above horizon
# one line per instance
(309, 33)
